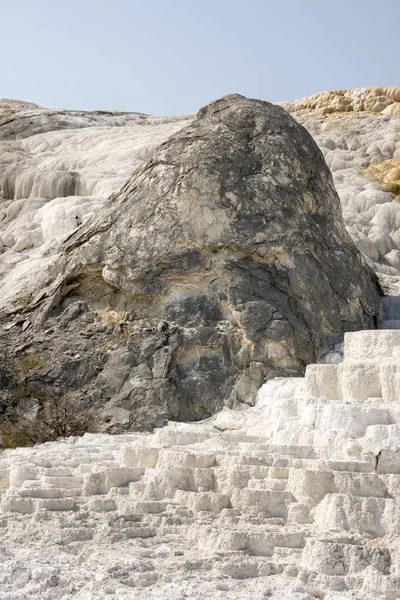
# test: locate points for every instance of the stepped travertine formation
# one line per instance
(298, 497)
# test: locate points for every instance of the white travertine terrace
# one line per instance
(355, 129)
(297, 497)
(378, 99)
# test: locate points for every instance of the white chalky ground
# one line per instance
(296, 498)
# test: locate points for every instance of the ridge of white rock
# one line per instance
(295, 498)
(376, 99)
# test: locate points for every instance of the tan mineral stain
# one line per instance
(371, 99)
(387, 173)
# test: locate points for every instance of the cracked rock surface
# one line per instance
(221, 263)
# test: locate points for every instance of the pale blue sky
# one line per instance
(169, 56)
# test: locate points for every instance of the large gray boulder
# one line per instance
(222, 262)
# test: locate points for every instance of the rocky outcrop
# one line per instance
(48, 154)
(222, 262)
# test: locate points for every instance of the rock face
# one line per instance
(225, 260)
(46, 154)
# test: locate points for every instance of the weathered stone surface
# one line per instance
(225, 262)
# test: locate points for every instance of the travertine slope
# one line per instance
(358, 132)
(226, 257)
(293, 499)
(56, 169)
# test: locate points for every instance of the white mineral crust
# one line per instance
(295, 498)
(53, 181)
